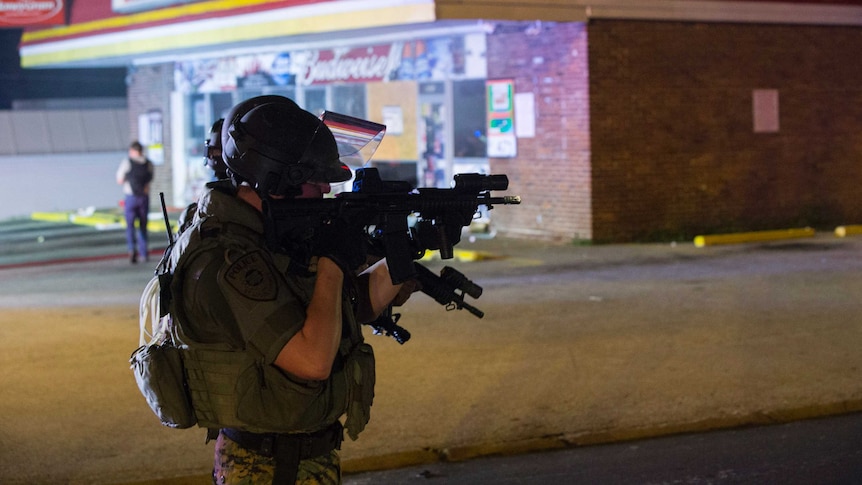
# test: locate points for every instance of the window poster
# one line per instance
(501, 119)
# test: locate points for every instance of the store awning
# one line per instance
(98, 36)
(116, 39)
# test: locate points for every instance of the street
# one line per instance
(580, 346)
(824, 451)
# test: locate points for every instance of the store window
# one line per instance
(349, 99)
(201, 110)
(221, 104)
(314, 99)
(246, 93)
(468, 106)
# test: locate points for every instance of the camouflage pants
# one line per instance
(235, 465)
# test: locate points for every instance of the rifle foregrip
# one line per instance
(431, 285)
(438, 288)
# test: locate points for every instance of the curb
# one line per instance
(775, 235)
(843, 231)
(598, 437)
(463, 255)
(757, 236)
(563, 441)
(154, 253)
(101, 220)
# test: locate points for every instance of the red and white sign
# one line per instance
(25, 13)
(361, 64)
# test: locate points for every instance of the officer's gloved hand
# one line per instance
(343, 243)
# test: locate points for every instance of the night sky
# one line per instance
(23, 84)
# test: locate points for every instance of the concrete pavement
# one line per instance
(579, 345)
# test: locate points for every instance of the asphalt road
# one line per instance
(579, 346)
(824, 451)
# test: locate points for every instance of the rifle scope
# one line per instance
(476, 182)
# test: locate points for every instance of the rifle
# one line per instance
(385, 208)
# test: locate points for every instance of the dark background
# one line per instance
(24, 84)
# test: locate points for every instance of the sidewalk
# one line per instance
(579, 345)
(75, 236)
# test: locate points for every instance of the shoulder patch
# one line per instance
(252, 277)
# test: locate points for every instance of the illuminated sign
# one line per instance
(361, 64)
(421, 59)
(24, 13)
(127, 6)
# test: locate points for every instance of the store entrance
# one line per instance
(432, 130)
(451, 130)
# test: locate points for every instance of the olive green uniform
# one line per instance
(235, 305)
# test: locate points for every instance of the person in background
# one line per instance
(135, 174)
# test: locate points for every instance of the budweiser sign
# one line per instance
(348, 65)
(23, 13)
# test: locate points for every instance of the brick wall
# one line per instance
(644, 129)
(552, 170)
(150, 90)
(674, 153)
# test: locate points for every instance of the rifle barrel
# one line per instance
(470, 308)
(505, 200)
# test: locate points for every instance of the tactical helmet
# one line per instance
(213, 158)
(276, 146)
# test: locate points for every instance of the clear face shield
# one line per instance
(357, 140)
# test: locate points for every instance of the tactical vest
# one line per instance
(232, 388)
(139, 176)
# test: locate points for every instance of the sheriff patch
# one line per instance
(252, 277)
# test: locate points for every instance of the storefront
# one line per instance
(614, 121)
(429, 90)
(458, 93)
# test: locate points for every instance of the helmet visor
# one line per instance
(357, 139)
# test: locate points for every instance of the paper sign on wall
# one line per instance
(501, 119)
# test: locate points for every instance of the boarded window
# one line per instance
(765, 109)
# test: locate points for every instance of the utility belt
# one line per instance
(288, 449)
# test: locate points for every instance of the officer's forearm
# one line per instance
(380, 291)
(309, 354)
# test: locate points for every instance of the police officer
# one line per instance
(213, 158)
(274, 353)
(214, 161)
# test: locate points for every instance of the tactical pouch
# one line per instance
(158, 370)
(359, 369)
(270, 399)
(212, 378)
(236, 389)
